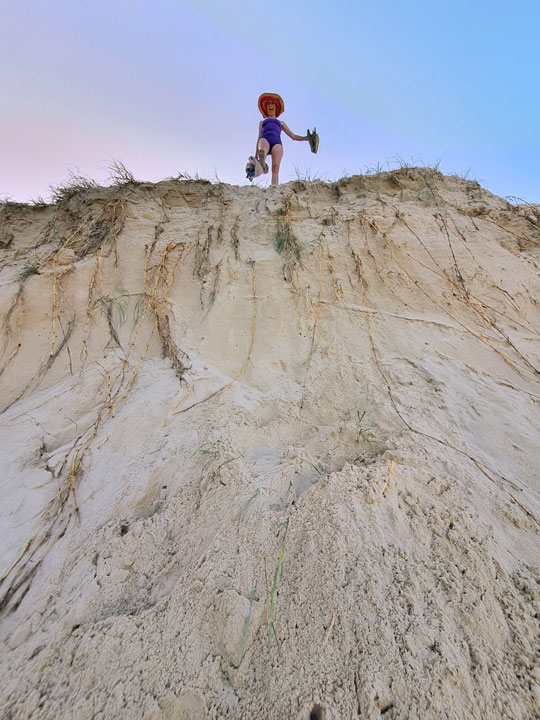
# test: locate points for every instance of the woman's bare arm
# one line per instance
(286, 130)
(260, 135)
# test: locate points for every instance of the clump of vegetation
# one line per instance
(403, 164)
(307, 175)
(373, 169)
(398, 162)
(38, 202)
(120, 175)
(361, 428)
(9, 204)
(75, 184)
(186, 177)
(30, 267)
(286, 242)
(278, 575)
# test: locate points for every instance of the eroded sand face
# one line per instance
(301, 427)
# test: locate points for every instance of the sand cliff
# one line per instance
(271, 453)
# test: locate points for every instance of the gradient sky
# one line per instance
(171, 86)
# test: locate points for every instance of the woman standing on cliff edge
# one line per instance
(269, 142)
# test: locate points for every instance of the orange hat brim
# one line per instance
(265, 97)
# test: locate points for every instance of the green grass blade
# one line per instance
(246, 627)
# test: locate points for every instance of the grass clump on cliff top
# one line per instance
(77, 183)
(120, 175)
(74, 185)
(10, 204)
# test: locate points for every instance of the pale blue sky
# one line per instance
(172, 86)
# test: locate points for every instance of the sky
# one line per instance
(171, 86)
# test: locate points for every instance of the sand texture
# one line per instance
(271, 453)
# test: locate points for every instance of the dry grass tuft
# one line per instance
(120, 175)
(75, 185)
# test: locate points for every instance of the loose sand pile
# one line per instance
(271, 453)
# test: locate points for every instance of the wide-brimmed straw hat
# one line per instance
(265, 97)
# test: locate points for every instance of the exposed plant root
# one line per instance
(215, 283)
(358, 266)
(235, 241)
(112, 329)
(316, 319)
(336, 285)
(21, 582)
(58, 350)
(170, 349)
(18, 302)
(295, 293)
(286, 242)
(202, 266)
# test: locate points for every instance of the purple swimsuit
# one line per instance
(271, 131)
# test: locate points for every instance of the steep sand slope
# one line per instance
(271, 453)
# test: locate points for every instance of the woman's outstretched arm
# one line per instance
(259, 137)
(286, 130)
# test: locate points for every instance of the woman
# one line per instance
(269, 142)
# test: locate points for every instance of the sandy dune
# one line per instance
(271, 453)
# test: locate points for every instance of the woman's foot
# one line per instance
(261, 155)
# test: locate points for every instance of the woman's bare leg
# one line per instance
(263, 148)
(277, 154)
